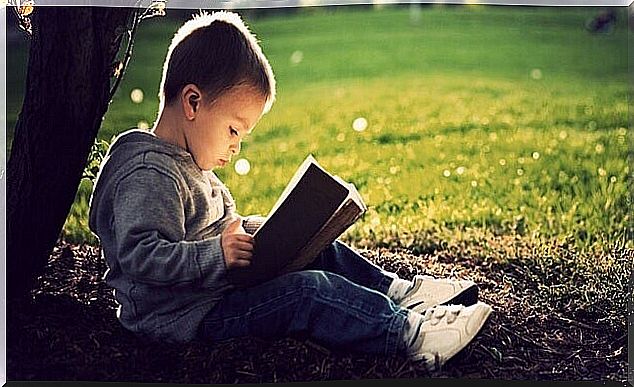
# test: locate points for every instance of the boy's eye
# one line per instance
(233, 131)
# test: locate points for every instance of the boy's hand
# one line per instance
(237, 245)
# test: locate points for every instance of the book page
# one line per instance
(354, 193)
(356, 196)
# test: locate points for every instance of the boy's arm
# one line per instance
(250, 223)
(149, 228)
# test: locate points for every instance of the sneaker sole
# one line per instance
(467, 297)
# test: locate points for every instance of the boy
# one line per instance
(170, 232)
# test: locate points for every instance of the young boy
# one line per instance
(170, 231)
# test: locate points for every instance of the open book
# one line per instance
(314, 209)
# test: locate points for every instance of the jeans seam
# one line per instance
(395, 333)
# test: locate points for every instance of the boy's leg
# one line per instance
(419, 295)
(323, 306)
(340, 259)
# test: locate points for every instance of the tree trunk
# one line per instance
(67, 94)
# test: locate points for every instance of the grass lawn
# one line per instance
(497, 119)
(496, 139)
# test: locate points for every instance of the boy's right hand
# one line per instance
(237, 245)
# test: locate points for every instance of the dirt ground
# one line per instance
(553, 319)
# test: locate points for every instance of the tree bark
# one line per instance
(67, 94)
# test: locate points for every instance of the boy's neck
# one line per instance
(168, 128)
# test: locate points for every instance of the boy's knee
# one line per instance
(338, 245)
(334, 248)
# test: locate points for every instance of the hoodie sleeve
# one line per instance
(149, 228)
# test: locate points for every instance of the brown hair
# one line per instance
(216, 52)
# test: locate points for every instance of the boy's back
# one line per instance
(150, 190)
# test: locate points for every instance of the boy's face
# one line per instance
(219, 128)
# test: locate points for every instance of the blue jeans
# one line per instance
(338, 301)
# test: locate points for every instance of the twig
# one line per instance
(574, 322)
(542, 346)
(245, 373)
(574, 354)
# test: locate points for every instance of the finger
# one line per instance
(234, 226)
(240, 254)
(242, 246)
(247, 238)
(240, 263)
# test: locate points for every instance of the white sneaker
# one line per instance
(428, 291)
(446, 330)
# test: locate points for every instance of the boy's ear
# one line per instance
(193, 101)
(190, 99)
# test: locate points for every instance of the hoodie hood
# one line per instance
(136, 141)
(126, 153)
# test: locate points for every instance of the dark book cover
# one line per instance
(290, 226)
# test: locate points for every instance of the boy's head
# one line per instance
(218, 81)
(215, 52)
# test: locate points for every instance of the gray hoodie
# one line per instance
(159, 218)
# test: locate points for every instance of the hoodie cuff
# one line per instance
(252, 223)
(211, 261)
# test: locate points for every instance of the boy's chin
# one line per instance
(212, 165)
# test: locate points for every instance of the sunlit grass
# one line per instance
(498, 162)
(455, 122)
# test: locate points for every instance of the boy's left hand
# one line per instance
(237, 245)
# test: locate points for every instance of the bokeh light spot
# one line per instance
(536, 74)
(143, 125)
(360, 124)
(136, 95)
(297, 57)
(242, 167)
(599, 148)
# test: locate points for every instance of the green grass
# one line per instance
(463, 134)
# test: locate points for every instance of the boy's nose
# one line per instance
(235, 148)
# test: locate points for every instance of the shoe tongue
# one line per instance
(399, 289)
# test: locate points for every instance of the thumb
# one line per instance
(234, 226)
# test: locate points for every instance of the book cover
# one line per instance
(314, 209)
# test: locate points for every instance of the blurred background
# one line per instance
(455, 122)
